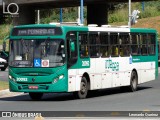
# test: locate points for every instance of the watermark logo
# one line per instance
(6, 114)
(11, 9)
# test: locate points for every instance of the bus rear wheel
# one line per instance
(133, 82)
(35, 96)
(83, 89)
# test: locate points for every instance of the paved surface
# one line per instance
(147, 98)
(4, 75)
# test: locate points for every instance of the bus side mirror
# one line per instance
(72, 46)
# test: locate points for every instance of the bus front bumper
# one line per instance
(45, 88)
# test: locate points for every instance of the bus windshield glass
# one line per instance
(36, 53)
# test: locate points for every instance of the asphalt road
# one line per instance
(147, 98)
(4, 75)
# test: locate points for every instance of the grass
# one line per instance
(151, 9)
(4, 85)
(152, 22)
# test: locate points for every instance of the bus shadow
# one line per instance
(113, 91)
(70, 96)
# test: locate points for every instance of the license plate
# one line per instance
(33, 87)
(1, 65)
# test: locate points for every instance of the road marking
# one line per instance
(115, 113)
(146, 110)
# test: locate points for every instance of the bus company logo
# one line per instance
(11, 9)
(114, 66)
(85, 63)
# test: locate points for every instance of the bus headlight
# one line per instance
(12, 78)
(58, 78)
(61, 76)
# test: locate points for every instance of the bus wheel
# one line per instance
(133, 82)
(83, 89)
(35, 96)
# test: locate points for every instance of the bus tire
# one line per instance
(133, 82)
(83, 89)
(35, 96)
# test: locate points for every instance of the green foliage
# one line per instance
(117, 16)
(120, 14)
(53, 15)
(4, 31)
(149, 12)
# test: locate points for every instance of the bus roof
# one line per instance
(87, 28)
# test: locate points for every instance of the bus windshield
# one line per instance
(46, 53)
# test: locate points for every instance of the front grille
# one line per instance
(33, 74)
(34, 83)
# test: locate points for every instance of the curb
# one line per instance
(4, 92)
(7, 93)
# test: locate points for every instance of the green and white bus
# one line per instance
(50, 58)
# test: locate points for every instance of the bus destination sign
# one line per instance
(36, 31)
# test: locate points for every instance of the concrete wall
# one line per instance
(97, 14)
(26, 16)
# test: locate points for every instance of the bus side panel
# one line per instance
(137, 67)
(145, 66)
(147, 71)
(99, 69)
(92, 73)
(72, 79)
(121, 73)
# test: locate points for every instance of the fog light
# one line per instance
(14, 79)
(55, 80)
(19, 87)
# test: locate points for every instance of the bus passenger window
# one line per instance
(135, 48)
(83, 43)
(143, 44)
(151, 44)
(104, 47)
(124, 41)
(114, 41)
(115, 50)
(94, 44)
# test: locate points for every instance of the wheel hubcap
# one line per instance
(134, 83)
(83, 88)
